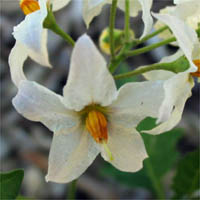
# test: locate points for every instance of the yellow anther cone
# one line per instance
(197, 73)
(29, 6)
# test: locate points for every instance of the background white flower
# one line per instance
(92, 8)
(187, 11)
(177, 86)
(90, 87)
(31, 40)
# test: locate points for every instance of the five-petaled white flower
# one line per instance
(91, 117)
(31, 37)
(92, 8)
(177, 86)
(185, 10)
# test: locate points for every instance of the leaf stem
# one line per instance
(157, 66)
(125, 54)
(113, 11)
(127, 20)
(118, 59)
(72, 190)
(50, 23)
(56, 29)
(150, 47)
(149, 36)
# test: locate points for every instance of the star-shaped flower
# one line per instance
(91, 117)
(177, 86)
(92, 8)
(31, 37)
(185, 10)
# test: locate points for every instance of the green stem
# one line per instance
(179, 65)
(113, 11)
(56, 29)
(119, 58)
(150, 47)
(149, 36)
(157, 66)
(125, 54)
(127, 20)
(50, 23)
(155, 181)
(72, 190)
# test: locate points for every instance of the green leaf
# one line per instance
(162, 151)
(138, 179)
(186, 180)
(10, 183)
(162, 156)
(22, 198)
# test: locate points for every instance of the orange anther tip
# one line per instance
(29, 6)
(197, 63)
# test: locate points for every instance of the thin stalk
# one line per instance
(72, 190)
(157, 66)
(150, 47)
(125, 54)
(50, 23)
(127, 20)
(113, 11)
(149, 36)
(119, 58)
(56, 29)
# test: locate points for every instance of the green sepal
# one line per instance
(180, 65)
(50, 20)
(177, 66)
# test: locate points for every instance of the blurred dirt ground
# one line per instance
(25, 144)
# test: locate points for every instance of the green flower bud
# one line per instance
(104, 40)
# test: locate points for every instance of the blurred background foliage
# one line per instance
(173, 156)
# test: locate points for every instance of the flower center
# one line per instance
(197, 73)
(96, 124)
(29, 6)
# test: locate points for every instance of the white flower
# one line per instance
(92, 8)
(92, 117)
(177, 86)
(31, 37)
(187, 11)
(182, 1)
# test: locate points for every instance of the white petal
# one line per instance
(186, 36)
(37, 103)
(70, 155)
(92, 8)
(176, 88)
(137, 101)
(16, 60)
(189, 12)
(182, 1)
(58, 4)
(135, 7)
(127, 148)
(146, 16)
(159, 24)
(89, 80)
(17, 57)
(177, 91)
(31, 34)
